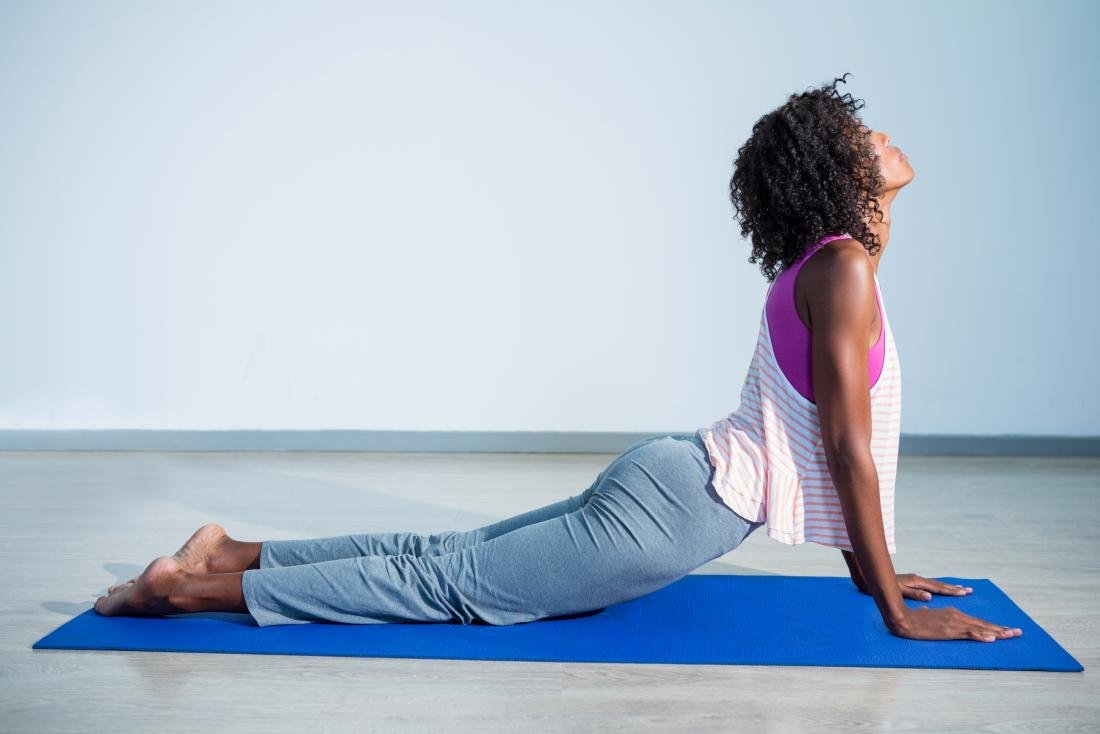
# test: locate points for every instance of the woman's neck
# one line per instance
(882, 229)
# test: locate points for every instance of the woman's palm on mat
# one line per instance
(946, 623)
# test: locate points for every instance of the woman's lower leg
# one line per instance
(209, 592)
(235, 556)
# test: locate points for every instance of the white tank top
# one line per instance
(769, 462)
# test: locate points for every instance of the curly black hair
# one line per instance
(808, 170)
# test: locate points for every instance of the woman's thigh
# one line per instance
(648, 522)
(452, 540)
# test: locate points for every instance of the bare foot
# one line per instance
(148, 594)
(200, 554)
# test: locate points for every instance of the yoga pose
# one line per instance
(811, 451)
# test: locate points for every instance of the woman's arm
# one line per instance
(854, 572)
(841, 302)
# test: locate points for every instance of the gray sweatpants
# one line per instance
(651, 517)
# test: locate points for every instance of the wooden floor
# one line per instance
(74, 523)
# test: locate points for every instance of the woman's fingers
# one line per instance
(976, 628)
(1000, 635)
(940, 587)
(956, 589)
(989, 630)
(922, 588)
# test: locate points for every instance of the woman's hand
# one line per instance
(917, 587)
(948, 623)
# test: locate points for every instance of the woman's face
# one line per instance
(893, 165)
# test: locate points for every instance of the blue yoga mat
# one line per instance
(698, 619)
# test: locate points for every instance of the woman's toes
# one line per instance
(116, 601)
(111, 589)
(148, 594)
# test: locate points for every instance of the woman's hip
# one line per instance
(660, 489)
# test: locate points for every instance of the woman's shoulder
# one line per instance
(845, 260)
(838, 281)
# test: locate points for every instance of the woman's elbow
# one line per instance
(849, 458)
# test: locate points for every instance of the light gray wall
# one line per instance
(514, 216)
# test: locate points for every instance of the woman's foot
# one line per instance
(209, 550)
(165, 587)
(202, 553)
(151, 593)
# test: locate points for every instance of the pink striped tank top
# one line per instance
(769, 462)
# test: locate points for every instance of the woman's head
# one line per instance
(812, 168)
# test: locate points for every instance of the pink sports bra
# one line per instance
(790, 337)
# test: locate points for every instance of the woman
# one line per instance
(811, 452)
